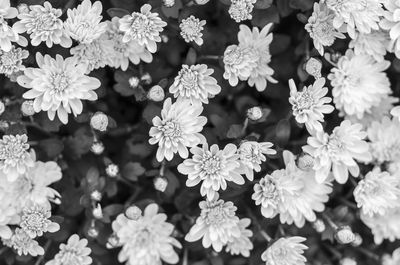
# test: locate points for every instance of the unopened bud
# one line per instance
(319, 226)
(97, 212)
(160, 183)
(305, 162)
(99, 121)
(93, 232)
(146, 79)
(254, 113)
(27, 108)
(164, 38)
(112, 170)
(4, 125)
(156, 93)
(344, 235)
(133, 212)
(96, 196)
(313, 67)
(97, 148)
(134, 81)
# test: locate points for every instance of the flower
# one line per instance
(112, 170)
(310, 104)
(240, 10)
(384, 226)
(241, 245)
(348, 261)
(377, 192)
(252, 154)
(9, 34)
(74, 252)
(58, 86)
(217, 224)
(99, 121)
(212, 166)
(6, 11)
(24, 244)
(238, 63)
(35, 221)
(391, 22)
(83, 23)
(43, 24)
(144, 27)
(191, 29)
(313, 67)
(338, 151)
(14, 156)
(146, 240)
(359, 83)
(11, 61)
(375, 44)
(393, 259)
(195, 83)
(255, 113)
(178, 128)
(27, 108)
(286, 251)
(156, 93)
(321, 29)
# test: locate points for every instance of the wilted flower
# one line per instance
(391, 23)
(384, 226)
(191, 29)
(238, 63)
(156, 93)
(374, 44)
(241, 9)
(35, 221)
(74, 252)
(99, 121)
(241, 245)
(24, 244)
(11, 61)
(286, 251)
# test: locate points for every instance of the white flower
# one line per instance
(191, 29)
(43, 23)
(99, 121)
(359, 83)
(313, 67)
(83, 23)
(10, 34)
(338, 151)
(310, 104)
(74, 252)
(238, 63)
(240, 10)
(58, 86)
(156, 93)
(217, 224)
(353, 16)
(391, 22)
(24, 244)
(286, 251)
(321, 29)
(11, 61)
(241, 245)
(384, 226)
(147, 239)
(178, 127)
(375, 44)
(212, 166)
(393, 259)
(35, 221)
(252, 155)
(6, 11)
(195, 83)
(144, 27)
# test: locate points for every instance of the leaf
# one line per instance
(235, 131)
(173, 183)
(263, 4)
(280, 44)
(303, 5)
(262, 17)
(150, 112)
(52, 147)
(79, 143)
(282, 132)
(284, 8)
(172, 11)
(191, 57)
(132, 171)
(117, 12)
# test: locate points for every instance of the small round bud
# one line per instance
(313, 67)
(357, 241)
(254, 113)
(344, 235)
(201, 2)
(2, 107)
(23, 8)
(134, 81)
(93, 232)
(112, 241)
(133, 212)
(164, 38)
(348, 261)
(319, 226)
(156, 93)
(98, 212)
(97, 148)
(160, 183)
(4, 125)
(96, 195)
(99, 121)
(146, 79)
(112, 170)
(169, 3)
(305, 162)
(27, 108)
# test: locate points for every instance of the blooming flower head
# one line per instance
(384, 226)
(212, 166)
(147, 239)
(310, 104)
(252, 155)
(374, 44)
(393, 259)
(377, 192)
(83, 23)
(217, 224)
(24, 244)
(178, 127)
(74, 252)
(238, 63)
(43, 24)
(286, 251)
(338, 151)
(11, 61)
(241, 10)
(390, 22)
(35, 221)
(6, 11)
(321, 29)
(191, 29)
(241, 245)
(195, 83)
(58, 86)
(9, 34)
(359, 83)
(144, 27)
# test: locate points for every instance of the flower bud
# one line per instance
(23, 8)
(96, 195)
(357, 241)
(164, 38)
(4, 125)
(201, 2)
(27, 108)
(319, 226)
(93, 232)
(99, 121)
(344, 235)
(133, 212)
(112, 170)
(97, 212)
(254, 113)
(146, 79)
(305, 162)
(112, 242)
(156, 93)
(348, 261)
(313, 67)
(2, 107)
(169, 3)
(160, 183)
(97, 148)
(134, 81)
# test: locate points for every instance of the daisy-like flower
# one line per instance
(6, 11)
(195, 83)
(147, 239)
(359, 83)
(374, 44)
(377, 192)
(252, 155)
(144, 27)
(14, 156)
(212, 166)
(11, 61)
(177, 129)
(310, 104)
(393, 259)
(238, 63)
(338, 151)
(35, 221)
(74, 252)
(286, 251)
(10, 34)
(321, 29)
(384, 226)
(241, 245)
(83, 23)
(24, 244)
(241, 10)
(191, 29)
(353, 16)
(58, 86)
(43, 24)
(390, 22)
(217, 224)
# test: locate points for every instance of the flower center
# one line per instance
(324, 32)
(60, 82)
(233, 56)
(171, 129)
(69, 255)
(304, 101)
(189, 79)
(211, 164)
(12, 149)
(269, 189)
(141, 26)
(44, 24)
(216, 216)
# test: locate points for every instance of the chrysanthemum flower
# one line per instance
(74, 252)
(58, 86)
(241, 10)
(359, 83)
(213, 167)
(195, 83)
(10, 34)
(338, 151)
(252, 155)
(24, 244)
(391, 22)
(147, 239)
(267, 192)
(6, 11)
(286, 251)
(11, 61)
(43, 23)
(35, 221)
(217, 224)
(321, 29)
(393, 259)
(377, 192)
(375, 44)
(310, 104)
(177, 129)
(191, 29)
(384, 226)
(238, 63)
(144, 27)
(241, 245)
(83, 23)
